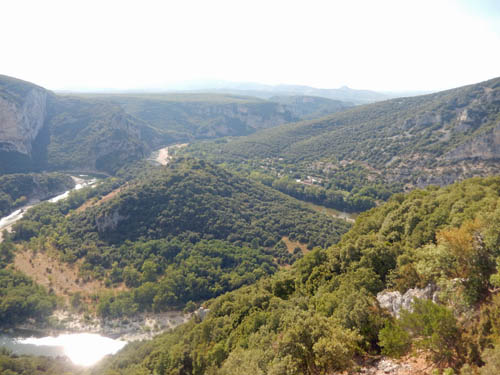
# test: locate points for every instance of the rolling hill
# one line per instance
(259, 90)
(195, 228)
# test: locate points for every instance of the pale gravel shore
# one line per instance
(140, 327)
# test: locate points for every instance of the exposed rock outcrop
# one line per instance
(394, 302)
(21, 121)
(109, 221)
(485, 147)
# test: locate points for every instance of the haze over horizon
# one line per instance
(153, 45)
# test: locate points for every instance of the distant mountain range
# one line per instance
(263, 91)
(258, 90)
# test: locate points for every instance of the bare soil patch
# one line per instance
(291, 245)
(62, 278)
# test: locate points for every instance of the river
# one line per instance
(6, 222)
(83, 342)
(83, 349)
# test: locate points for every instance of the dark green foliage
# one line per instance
(394, 340)
(194, 198)
(432, 327)
(22, 299)
(6, 252)
(29, 365)
(175, 273)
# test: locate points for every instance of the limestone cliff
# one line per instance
(485, 146)
(43, 131)
(21, 116)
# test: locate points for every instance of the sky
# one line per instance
(384, 45)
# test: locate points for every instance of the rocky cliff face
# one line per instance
(43, 131)
(109, 221)
(394, 302)
(21, 121)
(484, 147)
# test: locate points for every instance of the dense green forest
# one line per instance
(87, 134)
(22, 299)
(322, 314)
(17, 189)
(182, 233)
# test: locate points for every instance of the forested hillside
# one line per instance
(191, 116)
(201, 116)
(382, 148)
(322, 316)
(85, 134)
(183, 233)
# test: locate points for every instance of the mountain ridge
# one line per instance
(402, 139)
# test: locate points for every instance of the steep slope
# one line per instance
(39, 130)
(94, 135)
(431, 139)
(196, 228)
(322, 315)
(22, 114)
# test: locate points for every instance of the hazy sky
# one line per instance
(372, 44)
